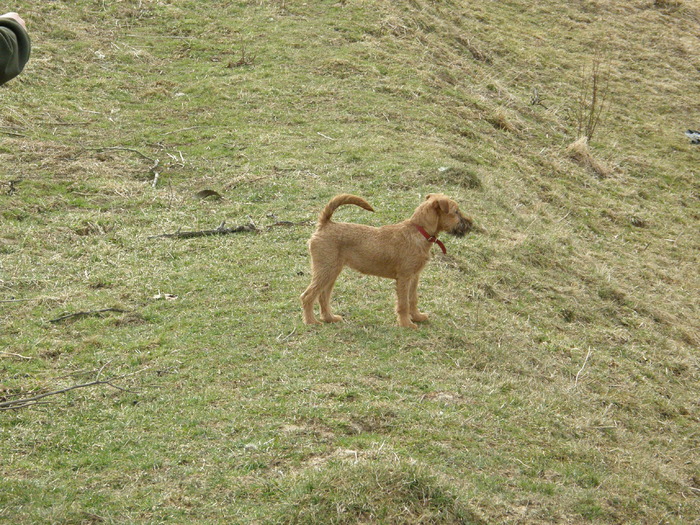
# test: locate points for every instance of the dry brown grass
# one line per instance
(581, 153)
(500, 119)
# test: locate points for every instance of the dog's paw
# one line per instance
(406, 323)
(333, 319)
(419, 317)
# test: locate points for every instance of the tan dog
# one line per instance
(396, 251)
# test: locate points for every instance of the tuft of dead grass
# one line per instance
(500, 119)
(581, 153)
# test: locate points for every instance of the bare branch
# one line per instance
(220, 230)
(593, 94)
(31, 401)
(85, 314)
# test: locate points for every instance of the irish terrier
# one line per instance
(396, 251)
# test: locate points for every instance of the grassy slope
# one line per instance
(240, 413)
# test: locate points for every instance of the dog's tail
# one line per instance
(340, 200)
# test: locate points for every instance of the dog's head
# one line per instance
(439, 213)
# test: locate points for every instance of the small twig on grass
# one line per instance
(219, 230)
(11, 354)
(179, 161)
(536, 100)
(222, 230)
(156, 175)
(84, 314)
(30, 401)
(582, 367)
(46, 123)
(11, 133)
(99, 372)
(288, 224)
(121, 148)
(281, 338)
(245, 60)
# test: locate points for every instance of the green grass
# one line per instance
(557, 379)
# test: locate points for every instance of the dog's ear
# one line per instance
(443, 205)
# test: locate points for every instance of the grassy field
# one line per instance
(557, 381)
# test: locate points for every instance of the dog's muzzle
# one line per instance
(464, 226)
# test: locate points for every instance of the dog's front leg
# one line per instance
(403, 308)
(416, 315)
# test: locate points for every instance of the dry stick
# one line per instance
(11, 354)
(220, 230)
(582, 367)
(20, 403)
(99, 372)
(156, 175)
(29, 401)
(83, 314)
(288, 224)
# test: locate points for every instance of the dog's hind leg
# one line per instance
(325, 301)
(320, 289)
(308, 298)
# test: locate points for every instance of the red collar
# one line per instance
(431, 238)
